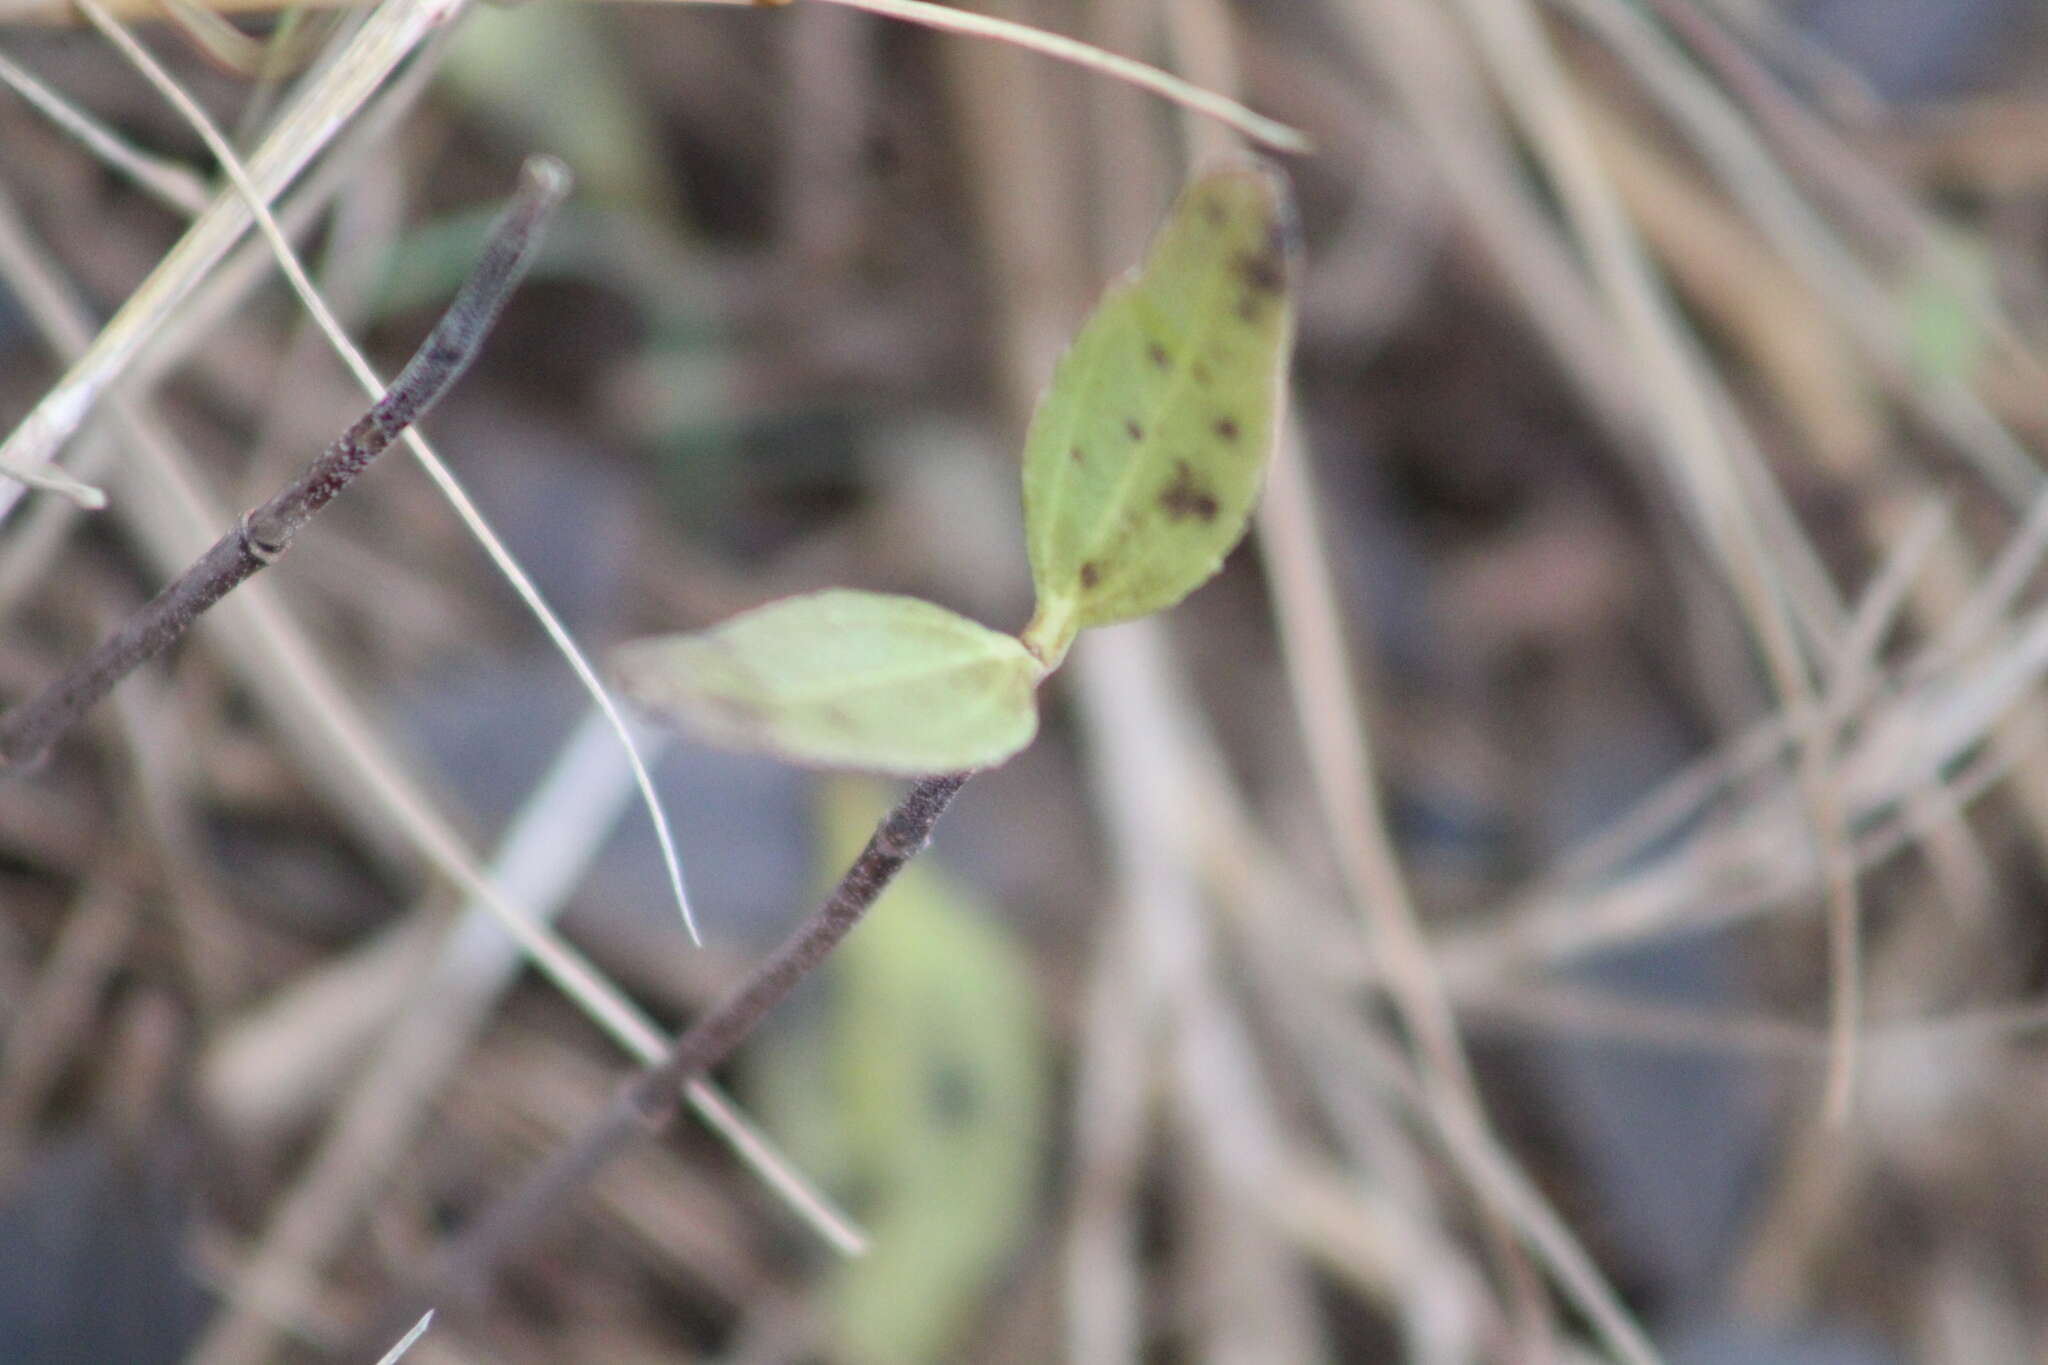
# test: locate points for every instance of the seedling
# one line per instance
(1140, 470)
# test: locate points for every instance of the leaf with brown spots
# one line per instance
(845, 679)
(1173, 389)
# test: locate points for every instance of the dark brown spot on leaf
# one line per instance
(1204, 376)
(1264, 271)
(1158, 356)
(1090, 575)
(1074, 454)
(1133, 430)
(1212, 213)
(1185, 497)
(1227, 428)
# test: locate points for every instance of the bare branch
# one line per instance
(646, 1103)
(263, 535)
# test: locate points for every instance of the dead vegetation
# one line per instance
(1568, 892)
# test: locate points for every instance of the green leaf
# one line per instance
(918, 1090)
(1944, 304)
(845, 679)
(550, 76)
(1145, 455)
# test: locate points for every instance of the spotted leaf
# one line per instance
(1145, 456)
(845, 679)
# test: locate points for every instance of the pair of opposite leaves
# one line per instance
(1140, 470)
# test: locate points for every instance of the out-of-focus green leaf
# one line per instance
(846, 679)
(919, 1090)
(1943, 306)
(545, 73)
(1146, 453)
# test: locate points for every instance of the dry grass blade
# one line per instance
(1328, 712)
(55, 1017)
(62, 14)
(174, 184)
(1826, 262)
(406, 1342)
(32, 544)
(1727, 499)
(1257, 127)
(342, 86)
(544, 853)
(262, 536)
(443, 477)
(210, 32)
(48, 478)
(1745, 863)
(1147, 732)
(1444, 929)
(297, 686)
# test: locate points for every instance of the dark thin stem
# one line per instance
(647, 1102)
(263, 535)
